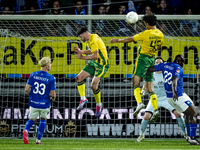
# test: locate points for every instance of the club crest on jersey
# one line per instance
(178, 70)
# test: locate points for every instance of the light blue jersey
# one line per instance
(158, 86)
(41, 85)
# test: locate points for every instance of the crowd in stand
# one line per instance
(106, 7)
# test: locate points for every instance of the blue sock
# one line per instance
(181, 123)
(193, 128)
(144, 124)
(41, 129)
(187, 126)
(29, 124)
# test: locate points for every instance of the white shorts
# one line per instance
(35, 112)
(160, 103)
(182, 104)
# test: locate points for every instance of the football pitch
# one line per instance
(97, 144)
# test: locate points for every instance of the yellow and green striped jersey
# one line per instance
(151, 40)
(95, 43)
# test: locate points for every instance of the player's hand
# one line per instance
(175, 97)
(52, 99)
(114, 40)
(77, 50)
(79, 56)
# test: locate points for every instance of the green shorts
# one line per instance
(143, 62)
(95, 69)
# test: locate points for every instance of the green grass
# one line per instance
(97, 144)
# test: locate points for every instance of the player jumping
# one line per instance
(173, 77)
(152, 39)
(41, 88)
(158, 84)
(97, 67)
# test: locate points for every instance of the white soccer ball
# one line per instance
(132, 17)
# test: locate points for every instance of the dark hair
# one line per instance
(82, 30)
(150, 19)
(159, 58)
(181, 58)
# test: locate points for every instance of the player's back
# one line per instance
(41, 85)
(151, 40)
(170, 70)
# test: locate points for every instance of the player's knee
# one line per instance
(93, 87)
(78, 79)
(33, 119)
(177, 113)
(42, 118)
(147, 116)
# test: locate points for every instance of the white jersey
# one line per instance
(158, 86)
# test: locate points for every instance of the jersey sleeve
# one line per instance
(159, 67)
(139, 37)
(30, 79)
(53, 84)
(93, 44)
(177, 71)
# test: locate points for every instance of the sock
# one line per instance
(81, 89)
(187, 126)
(137, 94)
(181, 123)
(29, 124)
(97, 96)
(153, 99)
(144, 124)
(41, 129)
(193, 128)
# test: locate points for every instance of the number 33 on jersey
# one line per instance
(41, 85)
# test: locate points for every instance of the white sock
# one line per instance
(98, 104)
(83, 98)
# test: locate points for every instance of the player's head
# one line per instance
(149, 19)
(158, 60)
(179, 59)
(45, 63)
(83, 33)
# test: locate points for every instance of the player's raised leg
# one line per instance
(97, 95)
(153, 99)
(137, 94)
(81, 88)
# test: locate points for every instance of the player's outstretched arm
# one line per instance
(174, 87)
(125, 40)
(53, 95)
(151, 69)
(28, 89)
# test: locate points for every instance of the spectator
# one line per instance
(193, 25)
(100, 24)
(79, 10)
(6, 11)
(56, 9)
(148, 10)
(43, 5)
(107, 6)
(186, 31)
(123, 29)
(163, 9)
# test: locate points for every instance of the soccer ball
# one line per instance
(132, 17)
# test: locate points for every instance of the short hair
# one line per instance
(159, 58)
(82, 30)
(44, 61)
(150, 19)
